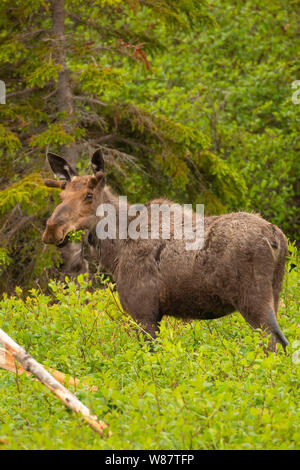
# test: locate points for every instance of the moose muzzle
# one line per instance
(58, 226)
(54, 234)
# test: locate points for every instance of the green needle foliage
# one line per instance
(69, 68)
(24, 209)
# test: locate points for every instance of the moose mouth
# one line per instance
(72, 236)
(64, 242)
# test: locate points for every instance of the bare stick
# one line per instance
(31, 365)
(7, 362)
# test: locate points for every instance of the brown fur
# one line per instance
(240, 266)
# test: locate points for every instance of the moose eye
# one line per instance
(89, 196)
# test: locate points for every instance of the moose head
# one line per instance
(80, 196)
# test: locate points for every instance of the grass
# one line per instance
(209, 385)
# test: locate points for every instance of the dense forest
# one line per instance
(191, 100)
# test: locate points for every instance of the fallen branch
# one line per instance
(13, 351)
(7, 362)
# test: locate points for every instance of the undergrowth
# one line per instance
(208, 385)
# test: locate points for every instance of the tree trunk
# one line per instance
(64, 92)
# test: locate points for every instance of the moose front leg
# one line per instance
(150, 329)
(142, 303)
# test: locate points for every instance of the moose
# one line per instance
(240, 266)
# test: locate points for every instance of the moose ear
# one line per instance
(61, 169)
(97, 161)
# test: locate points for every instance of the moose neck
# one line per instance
(109, 249)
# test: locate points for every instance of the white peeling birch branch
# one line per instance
(8, 362)
(30, 365)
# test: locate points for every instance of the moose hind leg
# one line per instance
(259, 313)
(277, 284)
(281, 251)
(267, 321)
(277, 335)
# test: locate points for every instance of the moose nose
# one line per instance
(48, 236)
(57, 225)
(53, 235)
(45, 237)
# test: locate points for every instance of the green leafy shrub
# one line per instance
(75, 236)
(209, 385)
(233, 83)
